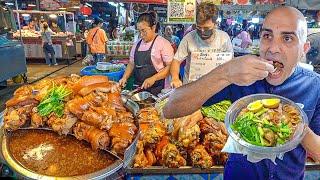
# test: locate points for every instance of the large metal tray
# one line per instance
(106, 173)
(191, 170)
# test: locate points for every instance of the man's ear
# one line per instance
(306, 47)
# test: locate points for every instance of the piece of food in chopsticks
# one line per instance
(96, 137)
(267, 122)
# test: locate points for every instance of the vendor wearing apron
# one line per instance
(150, 57)
(203, 48)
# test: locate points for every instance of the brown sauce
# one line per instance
(47, 153)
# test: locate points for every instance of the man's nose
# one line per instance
(274, 46)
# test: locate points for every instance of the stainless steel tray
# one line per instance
(181, 170)
(105, 173)
(191, 170)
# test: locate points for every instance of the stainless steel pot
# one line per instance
(101, 174)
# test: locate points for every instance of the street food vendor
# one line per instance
(150, 57)
(32, 26)
(203, 49)
(55, 27)
(283, 44)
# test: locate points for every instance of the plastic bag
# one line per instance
(88, 60)
(232, 146)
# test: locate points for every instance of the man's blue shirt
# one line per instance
(303, 86)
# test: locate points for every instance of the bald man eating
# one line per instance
(283, 43)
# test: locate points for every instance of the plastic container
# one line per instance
(113, 76)
(237, 106)
(103, 66)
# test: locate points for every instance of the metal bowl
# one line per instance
(27, 173)
(107, 172)
(144, 99)
(237, 106)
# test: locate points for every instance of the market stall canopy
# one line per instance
(134, 1)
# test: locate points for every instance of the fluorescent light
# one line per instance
(76, 7)
(53, 16)
(255, 20)
(62, 8)
(25, 15)
(87, 4)
(31, 5)
(9, 4)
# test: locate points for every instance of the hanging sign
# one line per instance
(51, 5)
(181, 11)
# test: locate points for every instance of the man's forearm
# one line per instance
(175, 69)
(311, 143)
(190, 97)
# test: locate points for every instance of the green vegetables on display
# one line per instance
(217, 111)
(53, 101)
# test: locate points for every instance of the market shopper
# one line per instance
(47, 45)
(55, 27)
(283, 40)
(174, 40)
(246, 40)
(150, 57)
(198, 46)
(97, 40)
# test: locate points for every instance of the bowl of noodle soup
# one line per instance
(264, 130)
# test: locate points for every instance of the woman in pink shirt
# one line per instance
(246, 39)
(150, 57)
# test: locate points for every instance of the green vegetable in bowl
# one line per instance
(53, 101)
(217, 111)
(268, 126)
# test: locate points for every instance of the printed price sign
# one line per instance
(203, 62)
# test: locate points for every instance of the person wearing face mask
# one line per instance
(150, 57)
(283, 43)
(203, 49)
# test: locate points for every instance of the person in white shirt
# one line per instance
(198, 47)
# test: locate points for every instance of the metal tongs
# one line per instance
(126, 94)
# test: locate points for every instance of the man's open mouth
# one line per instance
(277, 69)
(277, 65)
